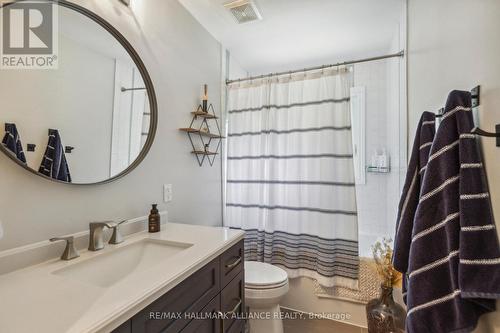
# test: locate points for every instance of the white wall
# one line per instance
(236, 71)
(169, 40)
(454, 44)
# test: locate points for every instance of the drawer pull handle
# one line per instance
(234, 264)
(236, 307)
(232, 312)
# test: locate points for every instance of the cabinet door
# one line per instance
(233, 303)
(206, 324)
(191, 296)
(231, 263)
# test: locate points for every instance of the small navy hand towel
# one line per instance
(12, 141)
(54, 164)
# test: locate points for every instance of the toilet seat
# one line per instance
(265, 287)
(262, 276)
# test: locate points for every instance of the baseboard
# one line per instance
(310, 314)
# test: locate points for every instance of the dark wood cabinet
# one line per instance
(233, 303)
(206, 323)
(199, 302)
(231, 263)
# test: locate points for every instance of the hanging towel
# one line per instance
(54, 164)
(424, 137)
(12, 141)
(454, 262)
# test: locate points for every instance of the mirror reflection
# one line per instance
(86, 121)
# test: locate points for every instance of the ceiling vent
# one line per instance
(244, 11)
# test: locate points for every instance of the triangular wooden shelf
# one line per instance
(201, 152)
(195, 133)
(204, 115)
(194, 130)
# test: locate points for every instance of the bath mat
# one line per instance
(368, 289)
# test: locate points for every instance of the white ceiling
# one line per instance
(301, 33)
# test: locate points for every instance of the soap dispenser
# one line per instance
(154, 219)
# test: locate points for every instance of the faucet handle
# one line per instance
(70, 251)
(116, 237)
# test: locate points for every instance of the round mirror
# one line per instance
(77, 102)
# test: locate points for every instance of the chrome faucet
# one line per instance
(96, 237)
(70, 251)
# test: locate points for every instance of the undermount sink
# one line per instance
(106, 269)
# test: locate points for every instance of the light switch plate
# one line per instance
(167, 193)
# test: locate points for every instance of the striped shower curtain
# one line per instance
(290, 175)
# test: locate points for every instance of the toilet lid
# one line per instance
(258, 274)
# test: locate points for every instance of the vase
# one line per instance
(384, 315)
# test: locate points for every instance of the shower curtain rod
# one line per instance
(394, 55)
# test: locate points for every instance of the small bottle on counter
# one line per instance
(154, 220)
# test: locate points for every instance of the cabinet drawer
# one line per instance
(206, 325)
(190, 296)
(233, 302)
(231, 263)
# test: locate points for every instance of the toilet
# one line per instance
(265, 286)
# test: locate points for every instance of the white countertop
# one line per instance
(33, 299)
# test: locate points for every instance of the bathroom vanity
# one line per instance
(149, 283)
(199, 303)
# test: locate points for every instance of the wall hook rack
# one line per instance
(476, 101)
(30, 147)
(481, 132)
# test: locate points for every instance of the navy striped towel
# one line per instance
(12, 141)
(426, 130)
(54, 164)
(454, 261)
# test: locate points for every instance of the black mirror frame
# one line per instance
(147, 81)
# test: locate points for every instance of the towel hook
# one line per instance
(481, 132)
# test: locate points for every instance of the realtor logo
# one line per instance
(29, 35)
